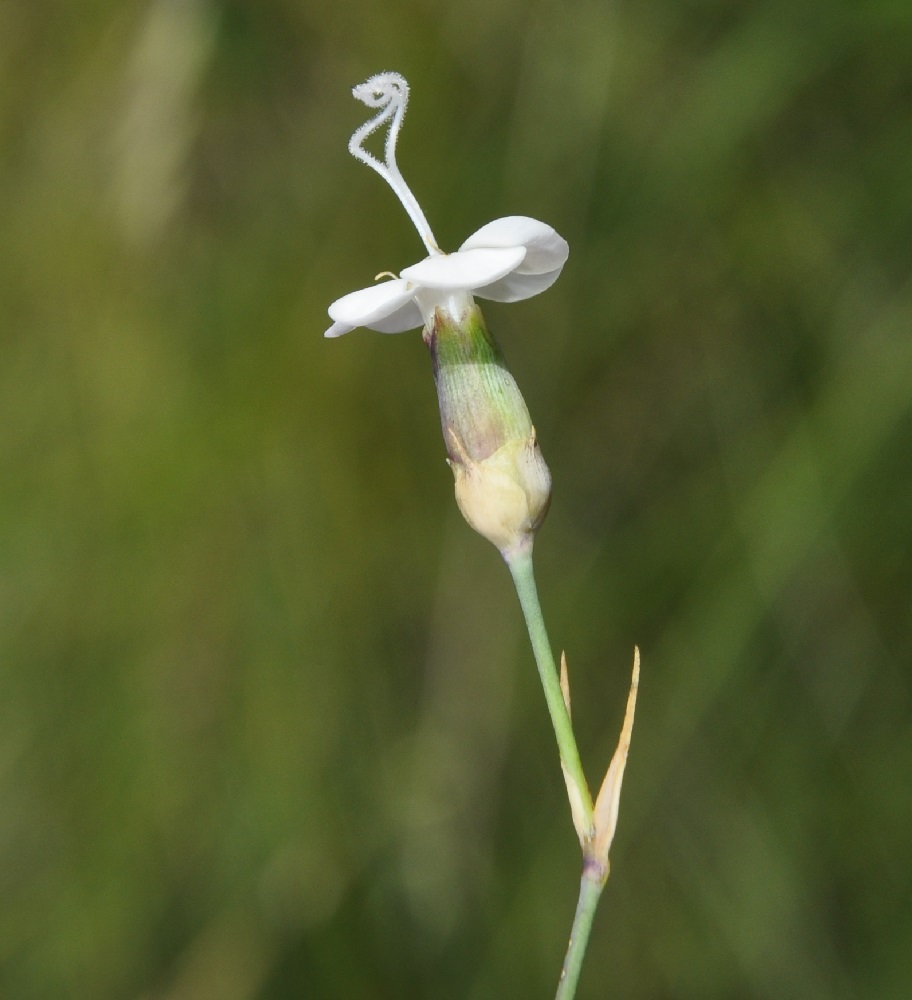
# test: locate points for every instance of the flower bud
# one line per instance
(503, 486)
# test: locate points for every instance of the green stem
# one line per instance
(520, 564)
(591, 885)
(595, 874)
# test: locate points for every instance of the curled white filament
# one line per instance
(389, 93)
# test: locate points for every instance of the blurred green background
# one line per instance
(269, 724)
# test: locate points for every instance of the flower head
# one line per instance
(503, 486)
(506, 260)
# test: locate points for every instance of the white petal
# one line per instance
(337, 329)
(517, 286)
(467, 269)
(545, 249)
(374, 307)
(407, 317)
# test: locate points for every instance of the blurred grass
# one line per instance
(268, 724)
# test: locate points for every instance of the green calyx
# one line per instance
(503, 486)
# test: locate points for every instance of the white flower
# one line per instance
(507, 260)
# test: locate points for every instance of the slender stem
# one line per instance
(595, 873)
(591, 885)
(520, 564)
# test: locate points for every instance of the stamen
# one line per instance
(389, 93)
